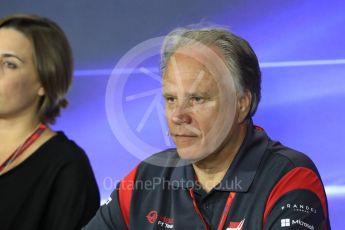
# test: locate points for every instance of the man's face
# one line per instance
(199, 102)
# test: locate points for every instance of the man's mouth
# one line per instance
(184, 135)
(184, 138)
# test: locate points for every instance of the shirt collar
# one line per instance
(242, 171)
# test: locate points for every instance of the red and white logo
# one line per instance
(236, 225)
(162, 221)
(152, 216)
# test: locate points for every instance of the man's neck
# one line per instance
(211, 170)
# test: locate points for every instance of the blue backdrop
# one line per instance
(300, 46)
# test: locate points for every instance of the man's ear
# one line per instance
(244, 103)
(41, 91)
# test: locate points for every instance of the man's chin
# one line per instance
(191, 154)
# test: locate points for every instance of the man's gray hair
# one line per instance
(240, 58)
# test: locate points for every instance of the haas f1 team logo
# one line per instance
(163, 221)
(152, 216)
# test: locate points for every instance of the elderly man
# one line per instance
(225, 172)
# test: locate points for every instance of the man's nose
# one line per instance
(181, 116)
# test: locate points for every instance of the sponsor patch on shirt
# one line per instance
(299, 208)
(162, 221)
(295, 223)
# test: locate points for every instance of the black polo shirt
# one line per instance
(271, 186)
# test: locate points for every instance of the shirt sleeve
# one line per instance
(298, 209)
(297, 201)
(74, 198)
(108, 216)
(115, 214)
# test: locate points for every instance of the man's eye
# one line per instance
(170, 100)
(197, 100)
(10, 65)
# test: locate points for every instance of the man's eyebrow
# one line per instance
(167, 94)
(9, 55)
(198, 94)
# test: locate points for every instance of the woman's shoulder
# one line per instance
(61, 148)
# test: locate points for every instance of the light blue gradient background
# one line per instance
(302, 106)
